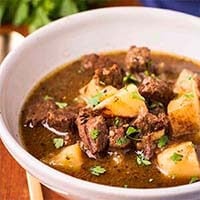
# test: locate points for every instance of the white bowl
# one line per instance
(69, 38)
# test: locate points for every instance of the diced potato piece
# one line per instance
(184, 111)
(107, 92)
(184, 115)
(185, 82)
(69, 157)
(90, 89)
(127, 102)
(186, 166)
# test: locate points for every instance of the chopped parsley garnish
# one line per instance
(163, 141)
(130, 78)
(58, 142)
(136, 95)
(122, 141)
(97, 170)
(94, 134)
(194, 179)
(189, 95)
(116, 121)
(61, 105)
(131, 130)
(95, 100)
(47, 97)
(190, 78)
(176, 157)
(141, 160)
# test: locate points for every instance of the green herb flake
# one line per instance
(190, 78)
(121, 141)
(61, 105)
(136, 95)
(97, 170)
(141, 160)
(130, 78)
(47, 97)
(189, 95)
(162, 141)
(176, 157)
(94, 134)
(131, 130)
(95, 100)
(58, 142)
(116, 121)
(194, 179)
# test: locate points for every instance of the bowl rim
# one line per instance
(54, 176)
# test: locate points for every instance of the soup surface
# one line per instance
(127, 119)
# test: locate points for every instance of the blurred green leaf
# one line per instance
(67, 7)
(35, 3)
(21, 13)
(38, 19)
(3, 4)
(36, 13)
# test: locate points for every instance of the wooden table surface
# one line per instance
(13, 184)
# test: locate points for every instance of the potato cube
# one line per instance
(127, 102)
(184, 111)
(179, 160)
(69, 157)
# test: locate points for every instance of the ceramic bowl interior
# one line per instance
(69, 38)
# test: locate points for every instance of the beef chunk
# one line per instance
(109, 76)
(149, 146)
(154, 89)
(94, 61)
(117, 137)
(148, 122)
(70, 138)
(148, 143)
(38, 111)
(138, 59)
(93, 131)
(117, 132)
(152, 128)
(62, 119)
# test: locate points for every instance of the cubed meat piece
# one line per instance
(38, 111)
(148, 145)
(155, 89)
(62, 119)
(109, 76)
(93, 131)
(117, 132)
(138, 59)
(148, 122)
(94, 61)
(117, 137)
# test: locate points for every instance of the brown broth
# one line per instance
(64, 85)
